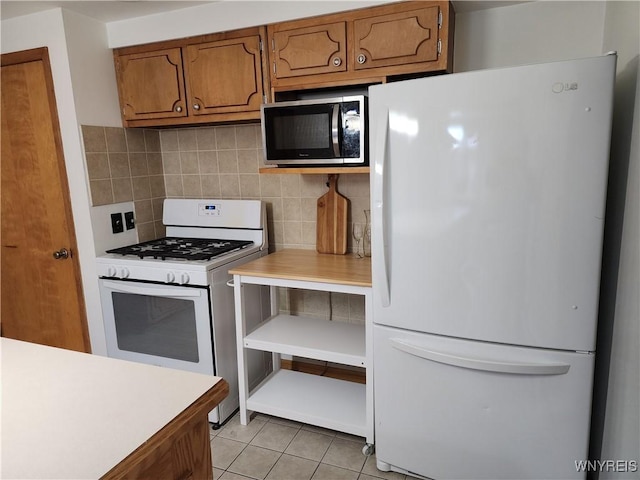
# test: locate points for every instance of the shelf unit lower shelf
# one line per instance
(322, 401)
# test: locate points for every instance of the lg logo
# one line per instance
(560, 87)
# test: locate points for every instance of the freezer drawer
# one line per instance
(457, 409)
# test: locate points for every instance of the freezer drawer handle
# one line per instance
(481, 364)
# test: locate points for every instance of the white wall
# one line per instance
(219, 17)
(621, 436)
(532, 32)
(48, 29)
(92, 71)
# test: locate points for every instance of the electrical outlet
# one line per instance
(128, 220)
(116, 223)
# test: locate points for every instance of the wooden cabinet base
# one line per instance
(179, 451)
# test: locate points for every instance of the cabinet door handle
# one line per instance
(362, 58)
(178, 108)
(196, 106)
(337, 61)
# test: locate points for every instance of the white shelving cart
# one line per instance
(317, 400)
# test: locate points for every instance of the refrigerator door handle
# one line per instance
(484, 364)
(378, 245)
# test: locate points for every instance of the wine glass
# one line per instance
(358, 233)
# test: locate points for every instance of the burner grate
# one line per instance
(182, 248)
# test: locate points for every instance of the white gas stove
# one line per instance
(167, 302)
(201, 235)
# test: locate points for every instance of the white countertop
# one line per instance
(70, 415)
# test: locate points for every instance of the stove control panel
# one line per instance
(209, 209)
(116, 271)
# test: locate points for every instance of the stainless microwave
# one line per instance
(326, 131)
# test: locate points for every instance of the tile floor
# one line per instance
(272, 448)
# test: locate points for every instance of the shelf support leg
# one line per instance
(241, 331)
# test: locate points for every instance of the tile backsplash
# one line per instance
(147, 165)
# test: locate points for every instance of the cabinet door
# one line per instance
(309, 50)
(396, 39)
(224, 76)
(151, 84)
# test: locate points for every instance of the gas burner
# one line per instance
(182, 248)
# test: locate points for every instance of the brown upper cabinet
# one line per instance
(206, 79)
(362, 46)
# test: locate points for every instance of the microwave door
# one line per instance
(302, 134)
(335, 132)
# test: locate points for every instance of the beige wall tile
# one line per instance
(225, 138)
(135, 140)
(210, 186)
(270, 186)
(189, 163)
(168, 141)
(152, 141)
(250, 185)
(246, 136)
(173, 186)
(122, 191)
(187, 140)
(205, 138)
(171, 163)
(119, 165)
(154, 163)
(229, 186)
(248, 161)
(156, 182)
(228, 161)
(291, 209)
(157, 207)
(94, 138)
(144, 211)
(191, 186)
(146, 231)
(101, 192)
(141, 188)
(98, 166)
(116, 139)
(208, 162)
(138, 164)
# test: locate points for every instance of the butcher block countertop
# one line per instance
(310, 266)
(68, 415)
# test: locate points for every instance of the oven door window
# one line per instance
(158, 326)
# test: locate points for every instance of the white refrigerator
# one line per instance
(488, 202)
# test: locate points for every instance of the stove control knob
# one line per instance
(171, 277)
(184, 278)
(111, 271)
(124, 273)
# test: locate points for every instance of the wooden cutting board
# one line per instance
(331, 230)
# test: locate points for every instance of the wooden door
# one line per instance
(151, 84)
(42, 300)
(309, 49)
(402, 38)
(224, 76)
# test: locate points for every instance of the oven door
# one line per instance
(164, 325)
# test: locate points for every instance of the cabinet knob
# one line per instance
(196, 106)
(337, 61)
(362, 58)
(178, 109)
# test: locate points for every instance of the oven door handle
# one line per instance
(154, 292)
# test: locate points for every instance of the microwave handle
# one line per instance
(334, 129)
